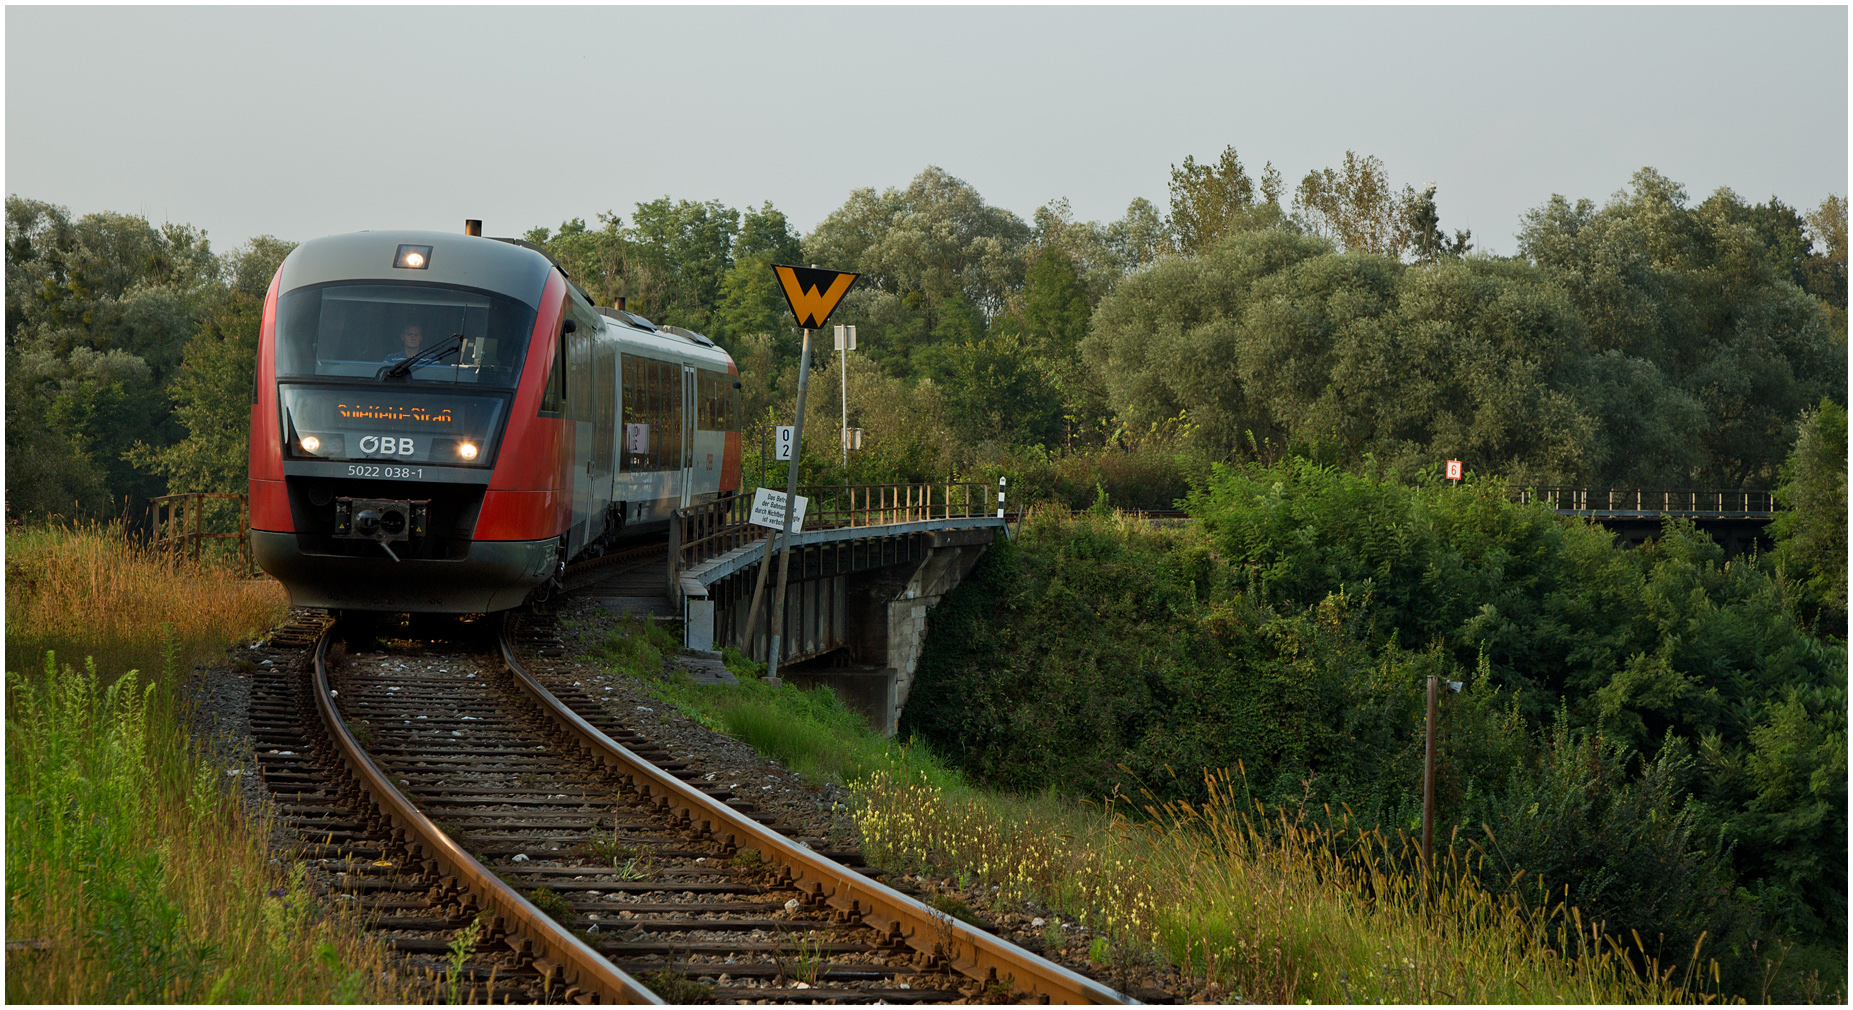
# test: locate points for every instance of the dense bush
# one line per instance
(1290, 633)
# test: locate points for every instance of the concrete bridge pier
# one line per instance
(887, 630)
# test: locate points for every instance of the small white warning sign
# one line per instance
(769, 510)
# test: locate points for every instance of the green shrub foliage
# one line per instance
(1654, 729)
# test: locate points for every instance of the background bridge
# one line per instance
(1738, 519)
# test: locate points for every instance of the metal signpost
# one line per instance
(812, 294)
(1454, 470)
(845, 342)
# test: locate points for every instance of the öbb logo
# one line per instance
(386, 445)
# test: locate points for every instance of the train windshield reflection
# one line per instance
(366, 330)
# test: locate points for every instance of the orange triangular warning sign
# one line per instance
(813, 294)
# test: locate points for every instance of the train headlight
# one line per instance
(467, 450)
(311, 444)
(412, 257)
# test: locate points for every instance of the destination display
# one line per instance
(321, 422)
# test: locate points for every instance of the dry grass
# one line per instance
(131, 873)
(1260, 905)
(86, 591)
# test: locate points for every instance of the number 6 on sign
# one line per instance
(1454, 469)
(781, 441)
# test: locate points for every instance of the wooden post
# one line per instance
(1428, 784)
(759, 593)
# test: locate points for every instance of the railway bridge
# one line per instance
(867, 565)
(1738, 519)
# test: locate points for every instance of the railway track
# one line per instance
(446, 790)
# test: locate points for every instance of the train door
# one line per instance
(605, 430)
(580, 403)
(691, 407)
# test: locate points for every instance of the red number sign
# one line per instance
(1454, 469)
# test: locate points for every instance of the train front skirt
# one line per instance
(494, 575)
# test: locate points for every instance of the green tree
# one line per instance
(1272, 338)
(1811, 529)
(1209, 202)
(1698, 293)
(1053, 312)
(1421, 229)
(212, 389)
(99, 309)
(751, 302)
(1354, 207)
(916, 249)
(994, 393)
(595, 260)
(679, 256)
(1827, 270)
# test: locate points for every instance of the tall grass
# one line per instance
(131, 873)
(1268, 905)
(86, 590)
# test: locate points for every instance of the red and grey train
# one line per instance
(441, 421)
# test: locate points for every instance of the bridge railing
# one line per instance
(700, 532)
(183, 523)
(1650, 501)
(885, 504)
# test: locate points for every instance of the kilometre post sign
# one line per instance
(813, 294)
(1454, 469)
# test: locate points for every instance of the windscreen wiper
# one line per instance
(404, 368)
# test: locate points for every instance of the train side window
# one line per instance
(647, 425)
(579, 375)
(669, 385)
(553, 394)
(604, 360)
(632, 406)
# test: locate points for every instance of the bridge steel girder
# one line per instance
(1737, 534)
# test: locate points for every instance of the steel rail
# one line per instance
(900, 918)
(579, 965)
(615, 557)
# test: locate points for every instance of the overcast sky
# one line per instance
(301, 122)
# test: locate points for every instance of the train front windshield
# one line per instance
(398, 373)
(370, 330)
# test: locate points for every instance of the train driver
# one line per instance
(412, 339)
